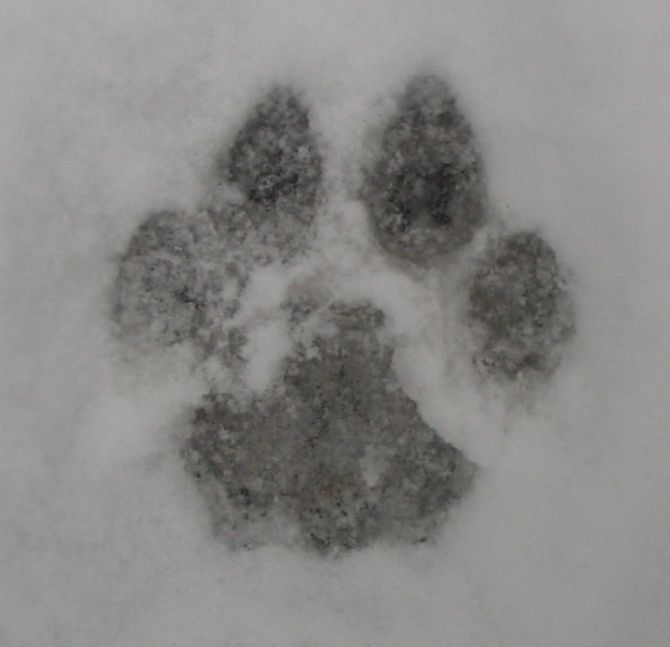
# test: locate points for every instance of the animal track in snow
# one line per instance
(333, 455)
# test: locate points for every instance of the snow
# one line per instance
(113, 109)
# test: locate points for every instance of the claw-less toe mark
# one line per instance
(335, 448)
(425, 191)
(274, 158)
(157, 291)
(274, 161)
(520, 308)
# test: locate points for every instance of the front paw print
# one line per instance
(332, 455)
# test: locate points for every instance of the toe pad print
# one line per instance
(274, 158)
(177, 281)
(519, 305)
(425, 190)
(336, 448)
(156, 290)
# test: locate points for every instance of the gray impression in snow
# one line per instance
(333, 456)
(274, 157)
(424, 190)
(334, 452)
(519, 307)
(158, 293)
(182, 274)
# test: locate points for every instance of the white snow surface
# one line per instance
(112, 109)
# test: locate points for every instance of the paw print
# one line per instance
(332, 455)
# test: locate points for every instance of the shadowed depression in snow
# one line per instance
(333, 455)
